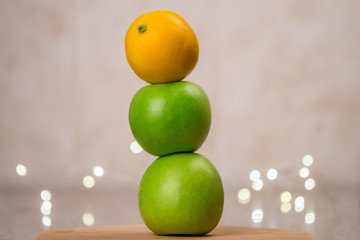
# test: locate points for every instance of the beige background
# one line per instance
(283, 78)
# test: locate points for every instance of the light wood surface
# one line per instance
(139, 232)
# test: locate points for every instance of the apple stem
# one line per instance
(141, 28)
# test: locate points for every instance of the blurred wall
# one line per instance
(283, 78)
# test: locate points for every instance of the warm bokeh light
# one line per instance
(21, 170)
(307, 160)
(272, 174)
(254, 175)
(98, 171)
(244, 195)
(309, 184)
(135, 147)
(257, 215)
(310, 217)
(285, 197)
(88, 219)
(285, 207)
(257, 185)
(89, 181)
(304, 172)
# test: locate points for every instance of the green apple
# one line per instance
(169, 118)
(182, 194)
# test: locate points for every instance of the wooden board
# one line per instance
(140, 232)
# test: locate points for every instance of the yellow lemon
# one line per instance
(161, 47)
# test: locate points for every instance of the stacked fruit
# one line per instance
(181, 192)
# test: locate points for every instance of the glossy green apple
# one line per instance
(169, 118)
(181, 193)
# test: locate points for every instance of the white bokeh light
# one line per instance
(244, 195)
(135, 147)
(88, 219)
(46, 220)
(254, 175)
(98, 171)
(45, 195)
(257, 185)
(310, 217)
(89, 181)
(299, 208)
(307, 160)
(257, 215)
(309, 184)
(21, 170)
(272, 174)
(46, 207)
(304, 172)
(299, 200)
(299, 203)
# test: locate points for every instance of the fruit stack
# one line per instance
(181, 192)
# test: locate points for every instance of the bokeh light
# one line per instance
(89, 181)
(45, 195)
(309, 184)
(300, 200)
(254, 175)
(46, 208)
(307, 160)
(135, 147)
(304, 172)
(285, 207)
(244, 195)
(272, 174)
(299, 208)
(299, 203)
(257, 215)
(46, 221)
(285, 197)
(257, 185)
(98, 171)
(21, 170)
(88, 219)
(310, 217)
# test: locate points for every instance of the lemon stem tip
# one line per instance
(141, 28)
